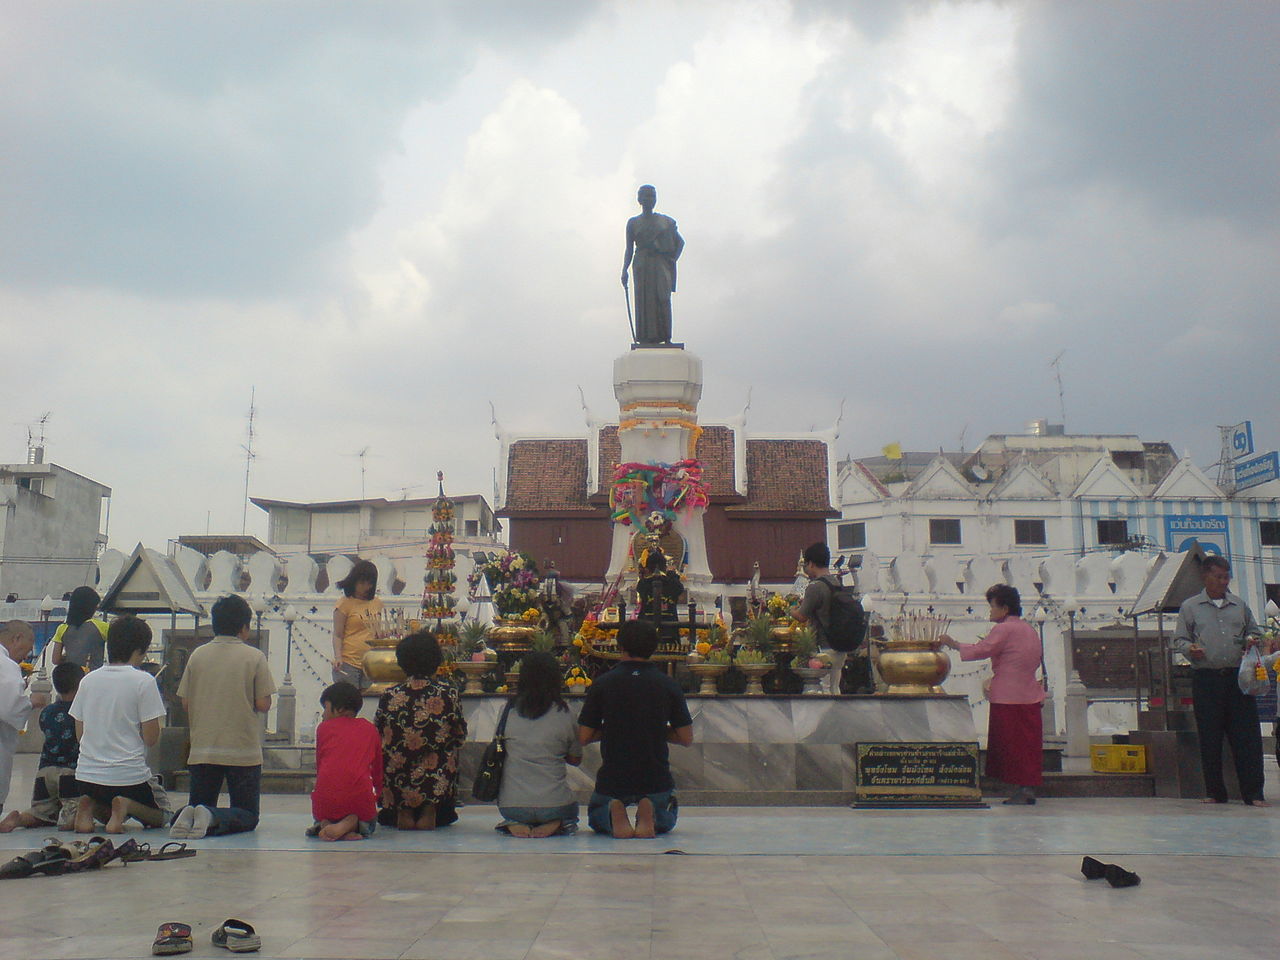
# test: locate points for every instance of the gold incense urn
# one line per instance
(512, 634)
(913, 668)
(380, 665)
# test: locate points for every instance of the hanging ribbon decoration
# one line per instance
(639, 489)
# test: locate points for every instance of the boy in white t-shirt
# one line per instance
(117, 713)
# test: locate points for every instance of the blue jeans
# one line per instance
(665, 810)
(244, 787)
(535, 816)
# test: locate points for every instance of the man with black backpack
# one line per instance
(833, 609)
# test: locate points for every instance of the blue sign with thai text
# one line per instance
(1258, 470)
(1209, 530)
(1242, 439)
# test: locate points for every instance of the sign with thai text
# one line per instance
(1210, 530)
(1241, 438)
(1256, 470)
(916, 774)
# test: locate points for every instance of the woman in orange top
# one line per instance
(353, 623)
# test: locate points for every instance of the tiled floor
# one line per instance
(818, 883)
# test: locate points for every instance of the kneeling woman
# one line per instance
(535, 799)
(1014, 733)
(422, 728)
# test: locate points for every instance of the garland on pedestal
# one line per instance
(437, 596)
(640, 489)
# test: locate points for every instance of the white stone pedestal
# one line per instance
(658, 389)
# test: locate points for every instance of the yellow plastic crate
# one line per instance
(1118, 758)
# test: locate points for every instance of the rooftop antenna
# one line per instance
(249, 456)
(361, 454)
(35, 445)
(1056, 363)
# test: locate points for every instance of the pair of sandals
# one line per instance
(234, 935)
(74, 856)
(1114, 874)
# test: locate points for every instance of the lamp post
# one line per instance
(287, 711)
(1077, 699)
(258, 604)
(1048, 715)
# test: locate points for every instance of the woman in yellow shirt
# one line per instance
(82, 640)
(353, 623)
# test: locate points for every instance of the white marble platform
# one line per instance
(768, 744)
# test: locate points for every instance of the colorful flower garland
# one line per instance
(639, 489)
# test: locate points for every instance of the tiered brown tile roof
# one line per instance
(546, 475)
(786, 476)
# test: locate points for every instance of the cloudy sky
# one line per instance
(384, 217)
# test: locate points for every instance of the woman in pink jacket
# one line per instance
(1014, 734)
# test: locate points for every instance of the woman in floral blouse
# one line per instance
(422, 728)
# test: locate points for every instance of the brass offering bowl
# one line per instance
(512, 636)
(380, 665)
(707, 674)
(913, 668)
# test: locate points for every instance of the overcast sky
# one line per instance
(385, 216)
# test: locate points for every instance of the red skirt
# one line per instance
(1015, 748)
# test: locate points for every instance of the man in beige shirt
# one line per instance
(226, 684)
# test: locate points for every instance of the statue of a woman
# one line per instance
(653, 246)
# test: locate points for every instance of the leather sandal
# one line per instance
(172, 938)
(237, 936)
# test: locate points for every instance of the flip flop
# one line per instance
(140, 852)
(172, 938)
(237, 936)
(172, 850)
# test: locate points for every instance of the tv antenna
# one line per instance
(1056, 363)
(249, 455)
(35, 444)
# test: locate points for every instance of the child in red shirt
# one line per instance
(348, 768)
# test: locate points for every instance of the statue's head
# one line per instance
(647, 195)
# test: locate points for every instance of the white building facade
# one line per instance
(52, 529)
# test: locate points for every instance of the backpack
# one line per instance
(846, 625)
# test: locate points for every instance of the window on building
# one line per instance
(1029, 532)
(472, 527)
(851, 536)
(1269, 531)
(1113, 531)
(289, 525)
(946, 532)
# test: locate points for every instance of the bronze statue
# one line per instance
(653, 247)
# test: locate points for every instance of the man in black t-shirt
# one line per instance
(634, 710)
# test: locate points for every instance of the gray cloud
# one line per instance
(216, 149)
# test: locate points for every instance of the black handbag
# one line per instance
(489, 776)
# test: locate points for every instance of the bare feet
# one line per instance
(428, 819)
(1257, 803)
(520, 830)
(1212, 800)
(84, 815)
(618, 820)
(544, 830)
(645, 829)
(11, 821)
(119, 813)
(353, 835)
(338, 830)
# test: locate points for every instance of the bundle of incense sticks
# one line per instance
(918, 627)
(389, 623)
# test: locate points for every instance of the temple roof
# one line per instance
(783, 475)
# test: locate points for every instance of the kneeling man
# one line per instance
(634, 710)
